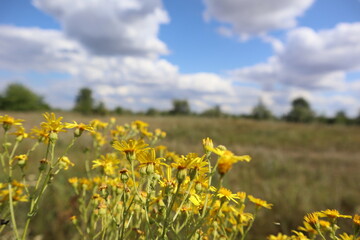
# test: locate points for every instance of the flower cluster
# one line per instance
(128, 186)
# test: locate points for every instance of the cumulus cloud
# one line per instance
(130, 81)
(35, 49)
(256, 17)
(309, 59)
(111, 27)
(312, 65)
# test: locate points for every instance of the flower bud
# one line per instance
(150, 169)
(124, 175)
(181, 175)
(53, 136)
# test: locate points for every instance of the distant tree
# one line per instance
(84, 102)
(261, 112)
(357, 119)
(213, 112)
(100, 109)
(341, 118)
(122, 111)
(152, 112)
(19, 98)
(300, 112)
(180, 107)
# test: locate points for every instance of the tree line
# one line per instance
(17, 97)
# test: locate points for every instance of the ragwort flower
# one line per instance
(226, 194)
(259, 202)
(8, 122)
(130, 147)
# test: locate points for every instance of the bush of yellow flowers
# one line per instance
(135, 188)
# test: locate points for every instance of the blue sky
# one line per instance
(140, 54)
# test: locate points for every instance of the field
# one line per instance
(299, 168)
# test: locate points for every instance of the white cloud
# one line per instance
(256, 17)
(36, 49)
(309, 59)
(111, 27)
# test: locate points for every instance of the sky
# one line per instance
(141, 54)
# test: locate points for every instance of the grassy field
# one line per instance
(299, 168)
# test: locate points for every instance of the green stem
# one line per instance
(249, 227)
(168, 211)
(183, 201)
(11, 206)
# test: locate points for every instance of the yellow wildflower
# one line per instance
(345, 236)
(99, 138)
(22, 159)
(312, 218)
(40, 133)
(332, 214)
(149, 161)
(52, 123)
(8, 122)
(299, 236)
(226, 158)
(20, 133)
(65, 163)
(80, 128)
(225, 193)
(130, 147)
(97, 124)
(279, 236)
(108, 163)
(260, 203)
(356, 220)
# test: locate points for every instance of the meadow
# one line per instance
(300, 168)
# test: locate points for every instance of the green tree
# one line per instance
(180, 107)
(357, 119)
(20, 98)
(84, 101)
(261, 112)
(213, 112)
(300, 112)
(341, 118)
(100, 109)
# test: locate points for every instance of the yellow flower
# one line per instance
(99, 138)
(312, 218)
(108, 163)
(149, 161)
(224, 193)
(260, 203)
(226, 158)
(20, 133)
(80, 128)
(308, 228)
(299, 236)
(97, 124)
(52, 123)
(195, 199)
(40, 133)
(346, 236)
(130, 147)
(8, 122)
(65, 163)
(188, 162)
(207, 143)
(22, 159)
(332, 214)
(356, 220)
(279, 236)
(242, 196)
